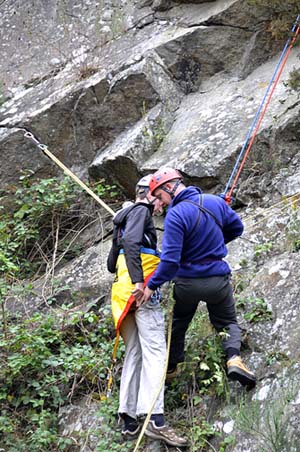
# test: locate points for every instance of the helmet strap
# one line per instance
(171, 192)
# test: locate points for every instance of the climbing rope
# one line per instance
(227, 194)
(111, 368)
(287, 200)
(292, 201)
(66, 170)
(45, 150)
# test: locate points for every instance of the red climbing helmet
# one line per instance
(162, 176)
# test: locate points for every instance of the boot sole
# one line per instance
(168, 441)
(237, 374)
(127, 435)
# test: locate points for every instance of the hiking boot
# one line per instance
(237, 371)
(166, 434)
(131, 428)
(172, 373)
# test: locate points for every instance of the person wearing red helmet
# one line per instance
(197, 228)
(133, 258)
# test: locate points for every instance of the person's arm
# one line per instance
(232, 224)
(132, 241)
(171, 251)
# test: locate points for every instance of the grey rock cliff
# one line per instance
(116, 89)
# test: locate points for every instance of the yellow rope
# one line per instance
(291, 202)
(110, 370)
(76, 179)
(66, 170)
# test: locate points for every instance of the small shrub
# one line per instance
(85, 71)
(256, 308)
(110, 438)
(293, 227)
(262, 249)
(276, 356)
(294, 80)
(46, 361)
(2, 97)
(283, 15)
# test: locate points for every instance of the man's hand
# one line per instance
(138, 292)
(146, 296)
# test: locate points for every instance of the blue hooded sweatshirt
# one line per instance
(193, 246)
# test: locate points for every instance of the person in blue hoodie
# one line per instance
(197, 228)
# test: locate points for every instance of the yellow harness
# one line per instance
(122, 299)
(121, 292)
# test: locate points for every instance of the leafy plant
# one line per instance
(28, 233)
(294, 80)
(46, 361)
(262, 248)
(276, 356)
(199, 435)
(110, 438)
(228, 441)
(257, 309)
(47, 217)
(109, 192)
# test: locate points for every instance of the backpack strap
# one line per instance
(202, 209)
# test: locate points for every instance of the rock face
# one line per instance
(116, 89)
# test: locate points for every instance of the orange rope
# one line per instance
(228, 197)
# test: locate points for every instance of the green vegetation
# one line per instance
(40, 211)
(276, 356)
(46, 361)
(227, 442)
(110, 439)
(50, 358)
(262, 249)
(294, 80)
(283, 15)
(42, 221)
(270, 423)
(257, 309)
(201, 375)
(154, 131)
(293, 226)
(2, 97)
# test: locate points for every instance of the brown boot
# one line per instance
(237, 371)
(172, 373)
(166, 434)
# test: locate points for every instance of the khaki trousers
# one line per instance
(144, 336)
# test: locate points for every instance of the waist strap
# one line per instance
(206, 260)
(145, 251)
